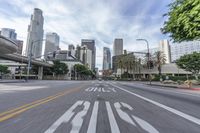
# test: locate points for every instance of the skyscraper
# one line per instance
(106, 59)
(52, 43)
(20, 46)
(9, 33)
(72, 50)
(118, 47)
(90, 45)
(35, 33)
(86, 56)
(71, 47)
(165, 48)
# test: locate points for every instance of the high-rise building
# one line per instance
(71, 47)
(118, 47)
(106, 59)
(9, 33)
(180, 49)
(165, 48)
(72, 50)
(86, 56)
(90, 45)
(78, 52)
(51, 44)
(20, 46)
(35, 34)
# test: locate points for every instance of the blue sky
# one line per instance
(102, 20)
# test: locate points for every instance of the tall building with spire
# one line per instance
(35, 34)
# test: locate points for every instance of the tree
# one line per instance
(159, 60)
(4, 69)
(190, 62)
(59, 68)
(82, 71)
(127, 62)
(183, 23)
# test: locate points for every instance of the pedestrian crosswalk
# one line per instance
(76, 116)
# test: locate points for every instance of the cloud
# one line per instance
(101, 20)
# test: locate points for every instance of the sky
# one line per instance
(102, 20)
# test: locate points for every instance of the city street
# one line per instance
(97, 107)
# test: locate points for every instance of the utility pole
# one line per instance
(148, 56)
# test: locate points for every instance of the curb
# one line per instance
(178, 87)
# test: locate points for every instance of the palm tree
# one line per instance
(159, 60)
(120, 64)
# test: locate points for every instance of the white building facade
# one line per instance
(165, 48)
(180, 49)
(86, 56)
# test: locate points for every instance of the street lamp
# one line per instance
(30, 56)
(148, 54)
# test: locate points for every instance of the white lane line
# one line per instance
(146, 126)
(93, 120)
(78, 119)
(123, 115)
(180, 92)
(64, 118)
(172, 110)
(113, 124)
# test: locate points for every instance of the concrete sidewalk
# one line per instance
(182, 86)
(12, 81)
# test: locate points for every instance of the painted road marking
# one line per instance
(64, 118)
(113, 124)
(78, 119)
(100, 89)
(128, 118)
(123, 115)
(12, 113)
(172, 110)
(146, 126)
(93, 120)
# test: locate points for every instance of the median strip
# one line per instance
(16, 111)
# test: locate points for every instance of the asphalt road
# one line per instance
(97, 107)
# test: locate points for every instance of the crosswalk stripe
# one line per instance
(93, 120)
(113, 124)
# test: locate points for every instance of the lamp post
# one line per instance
(148, 54)
(30, 56)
